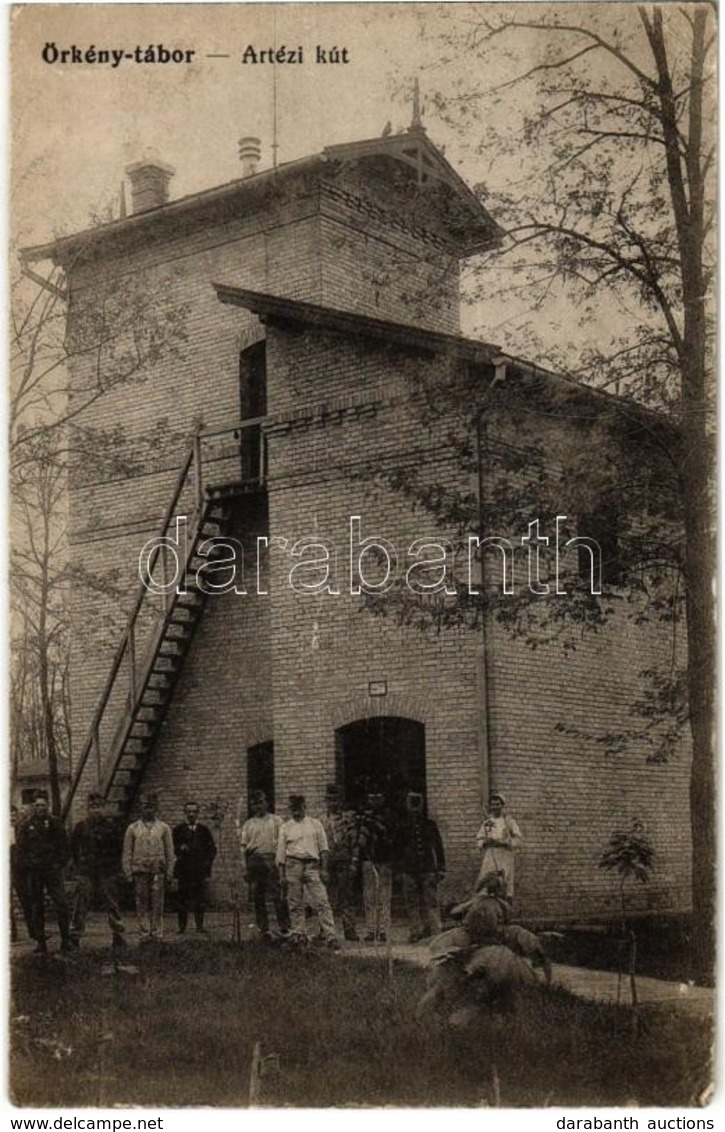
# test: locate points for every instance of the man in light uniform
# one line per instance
(302, 854)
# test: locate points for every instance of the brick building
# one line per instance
(318, 300)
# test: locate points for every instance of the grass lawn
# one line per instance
(182, 1033)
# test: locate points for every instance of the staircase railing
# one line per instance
(126, 678)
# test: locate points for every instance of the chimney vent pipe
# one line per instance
(250, 154)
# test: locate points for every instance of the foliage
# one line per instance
(629, 853)
(115, 341)
(602, 135)
(346, 1035)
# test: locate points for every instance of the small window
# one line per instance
(253, 404)
(260, 772)
(601, 528)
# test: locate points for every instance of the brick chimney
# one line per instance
(149, 179)
(249, 154)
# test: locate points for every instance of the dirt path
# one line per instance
(599, 986)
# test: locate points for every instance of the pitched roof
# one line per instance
(472, 227)
(276, 307)
(530, 377)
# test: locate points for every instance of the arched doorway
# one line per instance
(384, 753)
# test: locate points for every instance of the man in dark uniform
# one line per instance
(372, 855)
(18, 880)
(422, 864)
(42, 846)
(339, 826)
(96, 844)
(195, 852)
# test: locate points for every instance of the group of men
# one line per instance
(307, 862)
(147, 854)
(299, 864)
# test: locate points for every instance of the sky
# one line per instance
(76, 126)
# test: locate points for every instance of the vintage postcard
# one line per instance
(362, 636)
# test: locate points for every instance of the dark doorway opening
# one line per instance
(253, 403)
(385, 754)
(260, 771)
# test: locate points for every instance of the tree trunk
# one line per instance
(701, 671)
(49, 731)
(687, 189)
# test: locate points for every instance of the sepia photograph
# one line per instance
(361, 632)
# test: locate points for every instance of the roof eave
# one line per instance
(408, 335)
(62, 249)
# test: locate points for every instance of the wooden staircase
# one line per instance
(145, 711)
(150, 657)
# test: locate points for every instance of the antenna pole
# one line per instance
(275, 144)
(417, 121)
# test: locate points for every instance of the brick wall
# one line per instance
(297, 668)
(386, 272)
(567, 794)
(282, 244)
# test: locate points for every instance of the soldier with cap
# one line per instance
(499, 836)
(373, 855)
(42, 845)
(302, 855)
(422, 864)
(258, 839)
(18, 880)
(96, 843)
(339, 826)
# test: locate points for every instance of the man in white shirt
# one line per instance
(148, 859)
(258, 839)
(302, 854)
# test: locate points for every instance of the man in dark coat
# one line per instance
(373, 853)
(42, 846)
(195, 852)
(421, 861)
(96, 845)
(18, 880)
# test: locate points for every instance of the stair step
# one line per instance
(170, 648)
(127, 779)
(149, 712)
(191, 599)
(178, 631)
(151, 697)
(216, 550)
(185, 614)
(132, 766)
